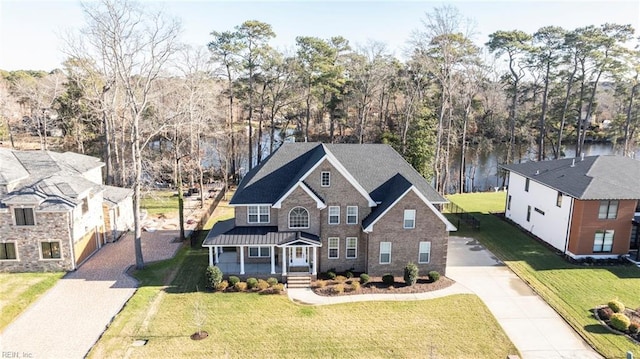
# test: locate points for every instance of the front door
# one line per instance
(298, 256)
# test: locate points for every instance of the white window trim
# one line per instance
(308, 218)
(42, 258)
(390, 249)
(260, 206)
(259, 252)
(329, 215)
(604, 233)
(13, 214)
(337, 248)
(15, 245)
(355, 248)
(322, 177)
(347, 215)
(420, 251)
(404, 219)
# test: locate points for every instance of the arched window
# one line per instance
(299, 218)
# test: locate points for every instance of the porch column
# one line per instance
(216, 254)
(314, 268)
(211, 256)
(284, 260)
(273, 260)
(241, 260)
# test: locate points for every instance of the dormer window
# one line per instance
(325, 179)
(24, 216)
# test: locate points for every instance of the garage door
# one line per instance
(85, 247)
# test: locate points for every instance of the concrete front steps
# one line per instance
(299, 280)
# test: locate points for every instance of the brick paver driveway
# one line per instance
(68, 320)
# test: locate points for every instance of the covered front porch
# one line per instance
(261, 250)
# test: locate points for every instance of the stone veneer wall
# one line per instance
(405, 242)
(50, 226)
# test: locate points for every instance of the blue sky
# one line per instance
(29, 29)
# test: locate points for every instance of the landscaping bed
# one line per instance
(330, 284)
(627, 323)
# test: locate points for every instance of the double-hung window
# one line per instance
(8, 251)
(424, 252)
(352, 247)
(24, 216)
(409, 218)
(603, 241)
(608, 210)
(258, 214)
(334, 214)
(50, 250)
(352, 214)
(385, 252)
(334, 247)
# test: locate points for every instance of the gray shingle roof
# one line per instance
(114, 195)
(371, 165)
(594, 178)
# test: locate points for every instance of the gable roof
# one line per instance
(589, 178)
(367, 167)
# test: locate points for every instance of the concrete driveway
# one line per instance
(532, 325)
(68, 320)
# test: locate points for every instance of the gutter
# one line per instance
(71, 247)
(566, 239)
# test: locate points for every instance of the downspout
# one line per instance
(71, 247)
(566, 240)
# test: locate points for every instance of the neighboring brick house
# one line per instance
(51, 210)
(583, 207)
(314, 207)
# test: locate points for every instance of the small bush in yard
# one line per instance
(214, 276)
(222, 286)
(338, 288)
(240, 286)
(272, 281)
(388, 279)
(233, 280)
(411, 273)
(321, 283)
(262, 284)
(434, 276)
(355, 286)
(620, 321)
(331, 275)
(252, 283)
(348, 274)
(616, 306)
(634, 327)
(278, 288)
(341, 279)
(364, 278)
(605, 313)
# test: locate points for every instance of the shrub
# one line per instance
(348, 274)
(278, 288)
(605, 313)
(634, 327)
(222, 286)
(233, 280)
(388, 279)
(364, 278)
(240, 286)
(341, 279)
(411, 273)
(434, 276)
(252, 283)
(355, 286)
(331, 275)
(262, 284)
(272, 281)
(616, 306)
(338, 288)
(214, 276)
(620, 321)
(321, 283)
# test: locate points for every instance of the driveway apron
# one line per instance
(532, 325)
(67, 320)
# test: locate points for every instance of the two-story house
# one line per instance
(315, 207)
(52, 210)
(583, 207)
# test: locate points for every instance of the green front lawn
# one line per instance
(242, 325)
(572, 290)
(160, 202)
(19, 290)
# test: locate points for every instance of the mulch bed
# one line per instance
(634, 315)
(376, 286)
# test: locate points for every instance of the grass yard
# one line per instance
(572, 290)
(160, 202)
(19, 290)
(245, 325)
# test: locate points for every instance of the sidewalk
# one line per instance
(68, 320)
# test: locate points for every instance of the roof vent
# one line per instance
(537, 172)
(582, 157)
(573, 162)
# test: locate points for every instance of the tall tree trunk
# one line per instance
(543, 116)
(565, 107)
(627, 140)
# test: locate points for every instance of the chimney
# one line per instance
(573, 162)
(582, 156)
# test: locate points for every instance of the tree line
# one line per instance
(152, 107)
